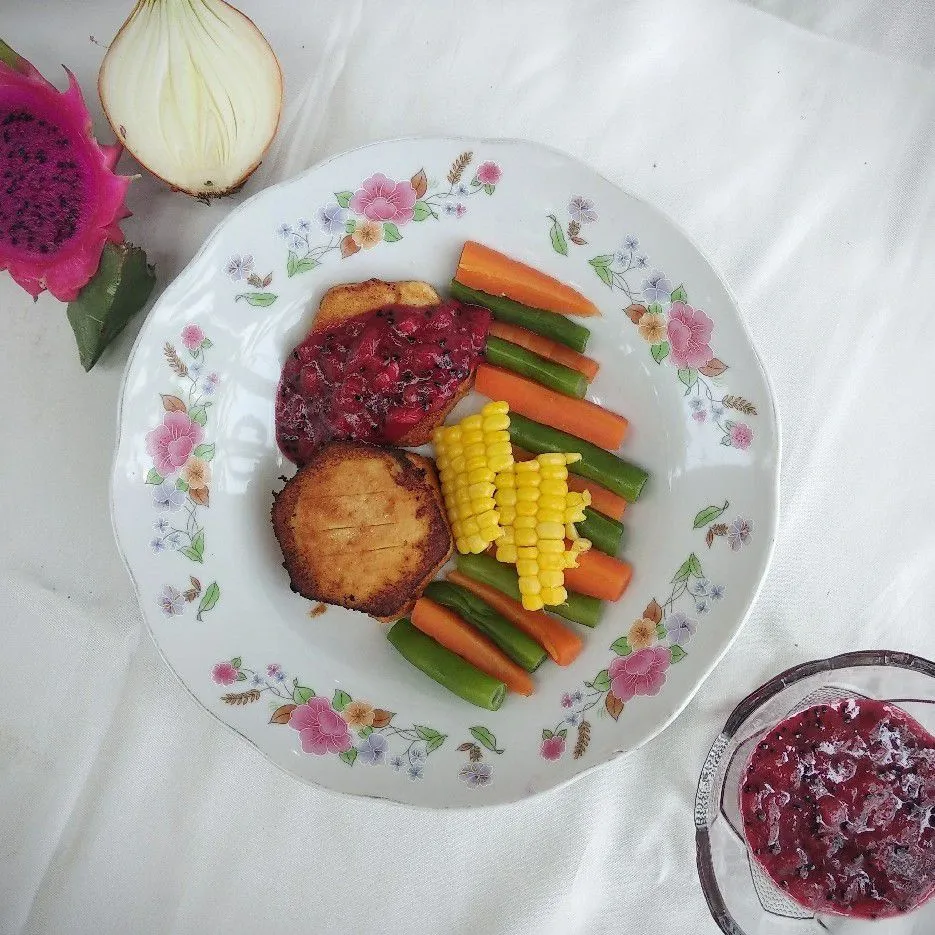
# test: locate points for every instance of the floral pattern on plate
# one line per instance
(676, 332)
(182, 456)
(375, 211)
(643, 655)
(352, 729)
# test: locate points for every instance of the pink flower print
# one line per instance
(689, 332)
(192, 336)
(171, 443)
(382, 199)
(321, 729)
(273, 669)
(460, 210)
(488, 173)
(567, 700)
(700, 415)
(552, 747)
(224, 673)
(741, 435)
(640, 673)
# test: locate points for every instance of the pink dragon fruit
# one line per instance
(60, 201)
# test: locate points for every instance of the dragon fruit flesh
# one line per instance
(60, 200)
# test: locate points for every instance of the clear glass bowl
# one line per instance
(741, 897)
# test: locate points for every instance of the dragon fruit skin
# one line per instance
(60, 201)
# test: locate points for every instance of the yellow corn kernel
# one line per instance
(483, 505)
(528, 568)
(550, 457)
(550, 530)
(461, 495)
(553, 546)
(550, 516)
(505, 479)
(470, 527)
(462, 544)
(551, 561)
(554, 488)
(572, 457)
(493, 437)
(580, 545)
(471, 422)
(506, 553)
(480, 475)
(529, 586)
(507, 532)
(457, 464)
(552, 596)
(497, 422)
(573, 515)
(525, 536)
(488, 518)
(532, 602)
(457, 528)
(549, 578)
(475, 450)
(495, 407)
(551, 472)
(476, 544)
(527, 508)
(524, 522)
(499, 462)
(475, 463)
(570, 531)
(507, 515)
(551, 503)
(463, 510)
(477, 491)
(451, 434)
(528, 552)
(530, 494)
(505, 497)
(491, 534)
(526, 467)
(500, 448)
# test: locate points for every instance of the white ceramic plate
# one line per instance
(197, 463)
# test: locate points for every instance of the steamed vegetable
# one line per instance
(545, 347)
(586, 419)
(490, 271)
(194, 91)
(562, 644)
(520, 647)
(596, 464)
(445, 667)
(487, 570)
(604, 533)
(448, 629)
(563, 380)
(599, 576)
(548, 324)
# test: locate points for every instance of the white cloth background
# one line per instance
(795, 141)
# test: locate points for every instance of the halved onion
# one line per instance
(194, 91)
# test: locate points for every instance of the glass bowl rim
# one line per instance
(757, 698)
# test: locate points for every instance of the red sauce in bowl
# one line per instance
(373, 377)
(838, 807)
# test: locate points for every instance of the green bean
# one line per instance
(528, 364)
(445, 667)
(549, 324)
(596, 464)
(605, 533)
(522, 649)
(486, 569)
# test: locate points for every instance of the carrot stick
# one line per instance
(489, 271)
(599, 575)
(601, 498)
(545, 347)
(448, 629)
(576, 416)
(557, 640)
